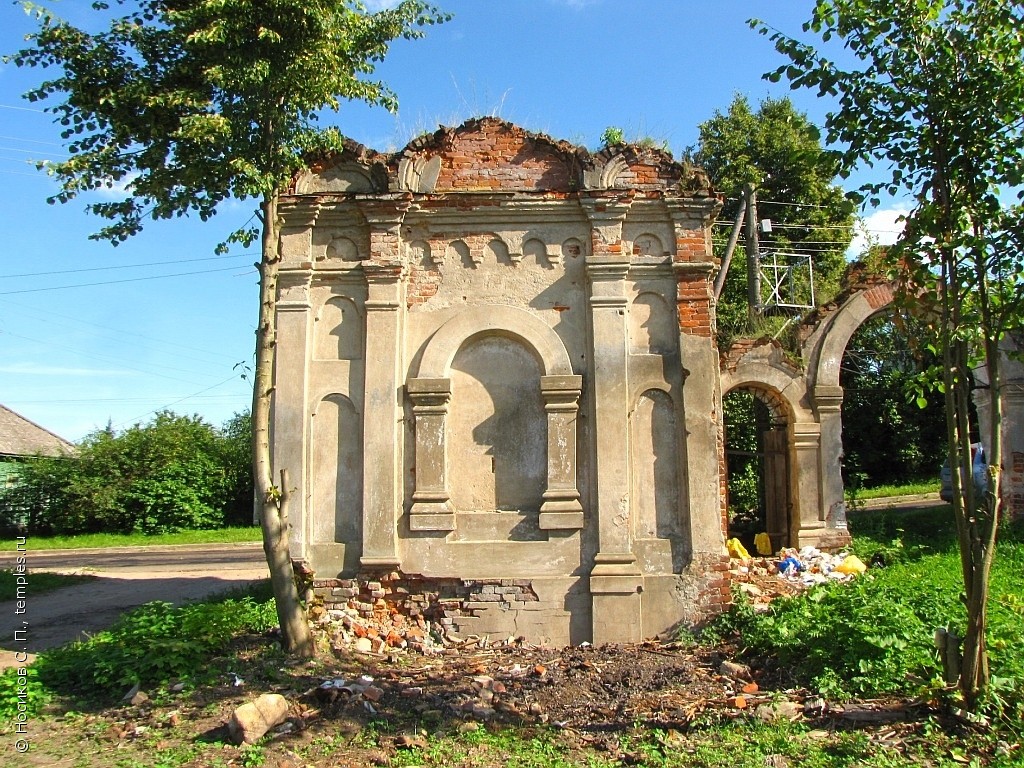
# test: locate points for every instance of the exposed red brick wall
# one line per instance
(693, 302)
(691, 247)
(716, 594)
(649, 175)
(500, 156)
(399, 605)
(1013, 478)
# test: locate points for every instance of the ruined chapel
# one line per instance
(498, 388)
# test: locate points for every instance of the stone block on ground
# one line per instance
(252, 720)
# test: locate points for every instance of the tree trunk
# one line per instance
(272, 500)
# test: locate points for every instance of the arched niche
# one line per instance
(649, 246)
(496, 252)
(336, 468)
(344, 249)
(652, 326)
(420, 254)
(535, 252)
(338, 333)
(496, 427)
(655, 465)
(508, 333)
(458, 252)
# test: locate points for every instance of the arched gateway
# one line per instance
(811, 441)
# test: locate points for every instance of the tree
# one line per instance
(236, 457)
(778, 150)
(934, 92)
(168, 475)
(191, 103)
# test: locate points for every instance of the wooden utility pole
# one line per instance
(734, 236)
(753, 257)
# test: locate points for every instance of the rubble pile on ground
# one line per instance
(789, 572)
(382, 626)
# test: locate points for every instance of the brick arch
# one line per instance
(770, 380)
(495, 320)
(829, 345)
(778, 405)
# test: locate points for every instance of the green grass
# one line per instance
(904, 489)
(38, 582)
(738, 744)
(874, 636)
(106, 540)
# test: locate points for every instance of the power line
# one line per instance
(127, 266)
(105, 359)
(49, 317)
(795, 205)
(155, 399)
(167, 406)
(125, 280)
(33, 141)
(23, 109)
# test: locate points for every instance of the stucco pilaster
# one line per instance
(701, 406)
(432, 509)
(608, 302)
(290, 427)
(561, 508)
(828, 405)
(807, 450)
(615, 580)
(382, 468)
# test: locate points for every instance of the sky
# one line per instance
(92, 335)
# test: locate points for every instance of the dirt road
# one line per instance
(127, 578)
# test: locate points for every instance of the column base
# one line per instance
(561, 514)
(432, 515)
(616, 608)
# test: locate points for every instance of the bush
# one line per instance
(177, 472)
(152, 645)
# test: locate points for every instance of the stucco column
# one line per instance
(608, 302)
(432, 509)
(382, 500)
(615, 580)
(290, 421)
(805, 478)
(702, 397)
(561, 508)
(828, 405)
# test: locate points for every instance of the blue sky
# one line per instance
(91, 334)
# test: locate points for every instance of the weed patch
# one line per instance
(151, 645)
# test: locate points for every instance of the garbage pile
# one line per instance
(788, 571)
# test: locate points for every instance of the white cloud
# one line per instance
(880, 227)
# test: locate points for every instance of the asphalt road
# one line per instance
(127, 577)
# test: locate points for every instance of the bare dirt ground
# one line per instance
(356, 709)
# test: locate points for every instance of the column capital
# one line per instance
(828, 398)
(387, 214)
(299, 213)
